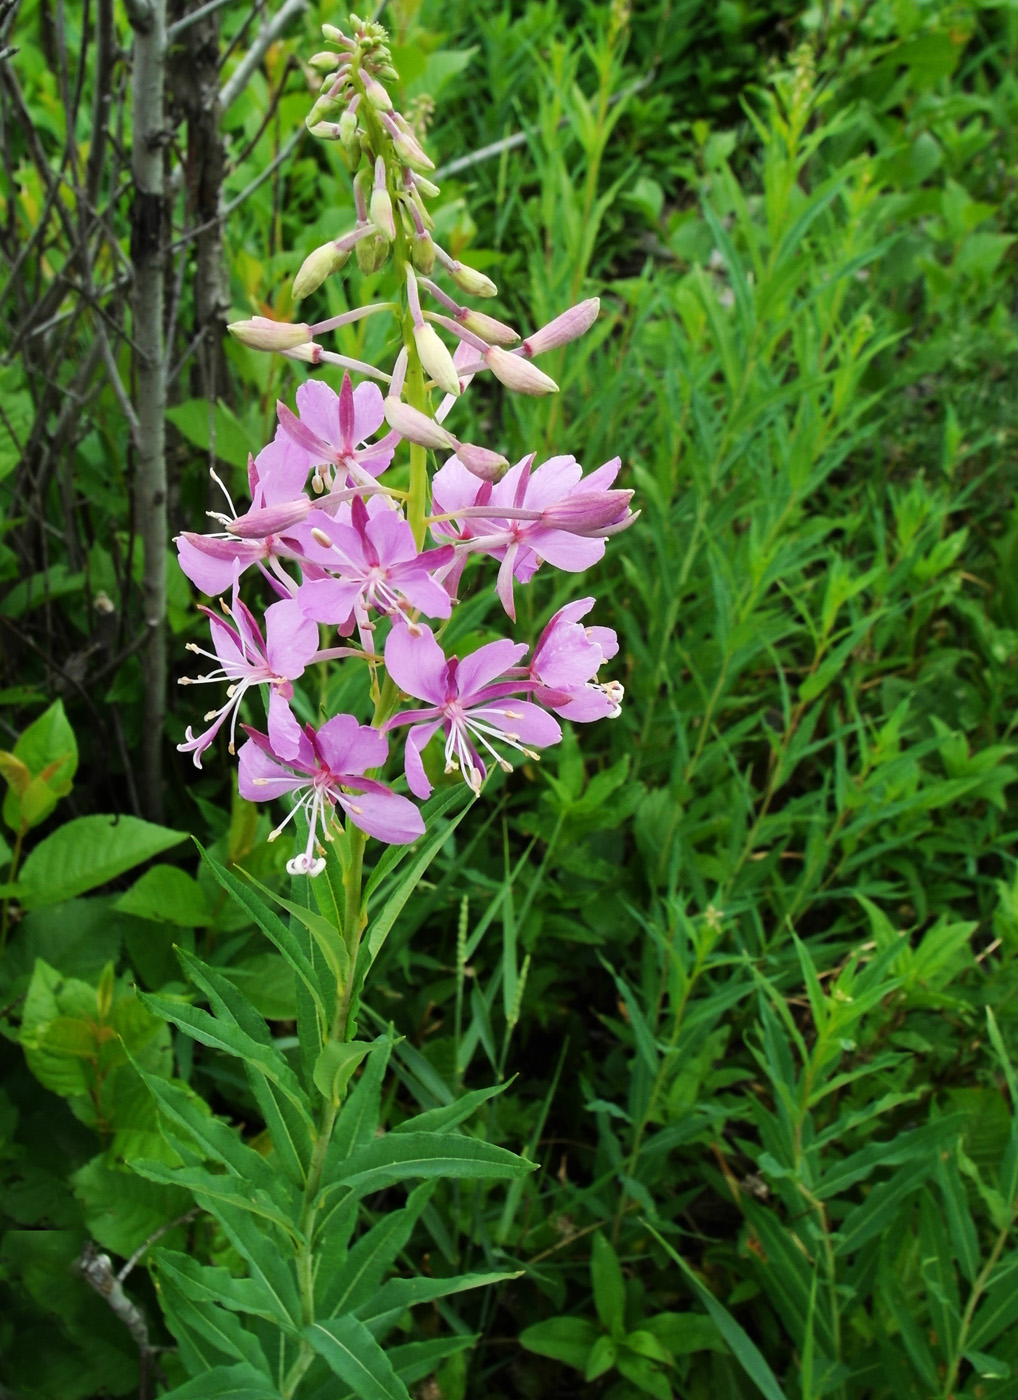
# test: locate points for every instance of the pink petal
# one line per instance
(368, 411)
(291, 639)
(413, 765)
(261, 778)
(329, 600)
(281, 470)
(348, 747)
(421, 591)
(386, 815)
(485, 665)
(285, 733)
(319, 410)
(209, 563)
(392, 537)
(574, 553)
(417, 663)
(523, 720)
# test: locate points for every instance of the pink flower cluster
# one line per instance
(340, 543)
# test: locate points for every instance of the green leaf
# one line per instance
(989, 1367)
(226, 1383)
(743, 1348)
(268, 1262)
(359, 1278)
(188, 1320)
(393, 1298)
(198, 421)
(355, 1356)
(167, 895)
(603, 1356)
(358, 1118)
(88, 852)
(206, 1283)
(415, 1361)
(48, 751)
(609, 1286)
(960, 1225)
(566, 1339)
(335, 1065)
(211, 1190)
(447, 1116)
(393, 1158)
(645, 1376)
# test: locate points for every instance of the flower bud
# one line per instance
(517, 373)
(569, 326)
(380, 209)
(376, 94)
(422, 254)
(262, 333)
(494, 332)
(333, 35)
(416, 426)
(474, 283)
(591, 513)
(372, 253)
(426, 186)
(348, 132)
(326, 109)
(482, 462)
(324, 62)
(316, 267)
(409, 149)
(325, 131)
(436, 359)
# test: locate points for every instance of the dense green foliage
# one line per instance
(751, 949)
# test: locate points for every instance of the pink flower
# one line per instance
(566, 661)
(246, 658)
(326, 771)
(467, 701)
(552, 513)
(375, 563)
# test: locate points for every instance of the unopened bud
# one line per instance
(416, 426)
(326, 109)
(422, 254)
(494, 332)
(348, 132)
(324, 62)
(261, 333)
(410, 151)
(316, 267)
(333, 35)
(376, 94)
(436, 359)
(591, 513)
(380, 209)
(426, 186)
(474, 283)
(569, 326)
(372, 253)
(482, 462)
(518, 374)
(325, 131)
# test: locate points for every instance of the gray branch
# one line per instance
(237, 81)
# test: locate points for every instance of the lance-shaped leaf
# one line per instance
(211, 1191)
(199, 1327)
(211, 1283)
(371, 1256)
(241, 1382)
(396, 1156)
(355, 1356)
(414, 1361)
(392, 1300)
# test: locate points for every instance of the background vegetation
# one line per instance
(751, 949)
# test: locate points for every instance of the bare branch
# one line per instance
(252, 60)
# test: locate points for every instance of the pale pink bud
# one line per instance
(323, 62)
(416, 426)
(310, 354)
(569, 326)
(376, 94)
(405, 143)
(326, 109)
(494, 332)
(590, 512)
(261, 333)
(436, 358)
(482, 462)
(426, 186)
(348, 131)
(336, 36)
(316, 267)
(517, 373)
(380, 210)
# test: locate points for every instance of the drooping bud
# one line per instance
(316, 267)
(326, 109)
(376, 94)
(426, 186)
(482, 462)
(591, 513)
(422, 253)
(569, 326)
(494, 332)
(436, 358)
(517, 373)
(416, 426)
(348, 132)
(262, 333)
(469, 280)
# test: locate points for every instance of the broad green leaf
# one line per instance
(48, 753)
(355, 1356)
(603, 1356)
(335, 1065)
(566, 1339)
(167, 894)
(86, 853)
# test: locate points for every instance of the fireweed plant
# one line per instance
(345, 539)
